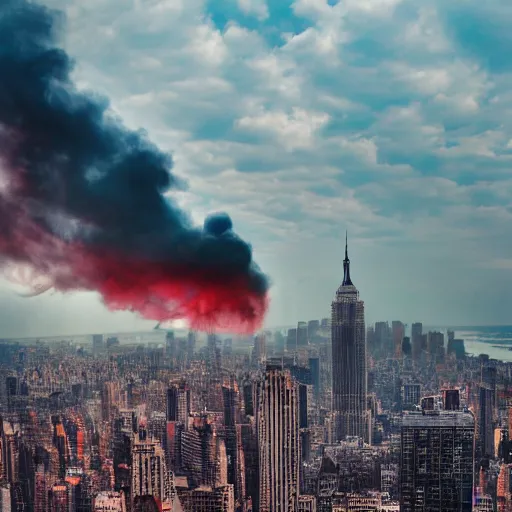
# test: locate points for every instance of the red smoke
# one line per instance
(156, 290)
(84, 201)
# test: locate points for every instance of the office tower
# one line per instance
(279, 342)
(435, 346)
(124, 427)
(398, 333)
(149, 470)
(191, 344)
(98, 344)
(436, 464)
(303, 405)
(302, 334)
(382, 337)
(291, 340)
(313, 328)
(259, 351)
(110, 399)
(203, 453)
(349, 385)
(213, 355)
(278, 435)
(456, 347)
(9, 454)
(233, 441)
(171, 345)
(249, 441)
(178, 403)
(406, 347)
(416, 341)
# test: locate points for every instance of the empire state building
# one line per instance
(349, 387)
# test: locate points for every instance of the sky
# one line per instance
(306, 118)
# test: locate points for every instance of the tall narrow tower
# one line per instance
(349, 360)
(278, 432)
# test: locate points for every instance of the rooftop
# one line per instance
(439, 419)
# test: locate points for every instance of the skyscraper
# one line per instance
(302, 334)
(278, 432)
(436, 466)
(178, 403)
(349, 386)
(398, 330)
(149, 470)
(416, 341)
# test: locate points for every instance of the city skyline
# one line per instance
(181, 326)
(395, 132)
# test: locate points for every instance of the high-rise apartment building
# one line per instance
(436, 464)
(278, 433)
(349, 377)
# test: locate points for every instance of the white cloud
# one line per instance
(257, 8)
(366, 149)
(313, 9)
(207, 45)
(373, 6)
(426, 81)
(296, 130)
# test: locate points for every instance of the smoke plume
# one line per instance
(82, 201)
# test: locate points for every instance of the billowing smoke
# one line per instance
(82, 201)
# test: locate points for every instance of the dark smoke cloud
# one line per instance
(82, 197)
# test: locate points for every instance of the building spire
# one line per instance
(346, 265)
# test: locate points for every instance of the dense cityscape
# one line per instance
(329, 416)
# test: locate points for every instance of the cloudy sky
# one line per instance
(389, 118)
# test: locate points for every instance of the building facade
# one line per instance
(436, 466)
(278, 435)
